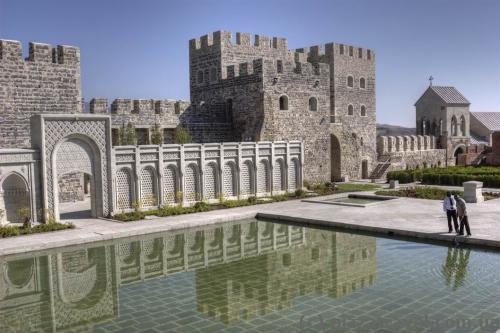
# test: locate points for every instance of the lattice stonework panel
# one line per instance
(124, 189)
(191, 188)
(292, 175)
(170, 182)
(229, 180)
(278, 176)
(246, 178)
(210, 175)
(263, 177)
(93, 130)
(148, 188)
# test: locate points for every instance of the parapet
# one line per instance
(99, 105)
(218, 39)
(332, 50)
(143, 106)
(395, 144)
(11, 50)
(243, 69)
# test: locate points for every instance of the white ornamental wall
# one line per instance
(157, 175)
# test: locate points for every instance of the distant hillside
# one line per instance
(393, 130)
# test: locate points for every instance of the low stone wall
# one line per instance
(393, 144)
(152, 176)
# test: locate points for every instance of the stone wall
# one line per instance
(171, 174)
(48, 81)
(71, 187)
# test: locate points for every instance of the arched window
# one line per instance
(350, 110)
(170, 184)
(263, 177)
(454, 126)
(200, 76)
(148, 187)
(191, 183)
(124, 188)
(283, 103)
(440, 130)
(15, 196)
(229, 180)
(462, 126)
(350, 81)
(210, 175)
(434, 129)
(213, 74)
(363, 111)
(313, 104)
(362, 83)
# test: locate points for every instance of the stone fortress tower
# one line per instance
(324, 95)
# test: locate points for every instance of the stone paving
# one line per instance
(406, 217)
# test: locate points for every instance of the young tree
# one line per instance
(156, 136)
(182, 136)
(130, 136)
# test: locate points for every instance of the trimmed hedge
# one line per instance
(10, 231)
(453, 176)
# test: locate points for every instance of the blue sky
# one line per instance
(139, 49)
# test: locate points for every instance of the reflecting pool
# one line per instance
(251, 276)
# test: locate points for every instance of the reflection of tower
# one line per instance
(68, 290)
(327, 263)
(354, 263)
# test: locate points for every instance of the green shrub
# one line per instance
(252, 200)
(432, 193)
(9, 231)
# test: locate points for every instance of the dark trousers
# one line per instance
(452, 214)
(464, 221)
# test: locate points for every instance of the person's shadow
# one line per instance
(455, 267)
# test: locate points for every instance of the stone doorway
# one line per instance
(459, 150)
(364, 169)
(335, 158)
(78, 181)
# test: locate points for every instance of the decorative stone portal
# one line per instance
(76, 144)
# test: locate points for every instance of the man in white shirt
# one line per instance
(450, 208)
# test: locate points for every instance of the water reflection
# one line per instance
(242, 270)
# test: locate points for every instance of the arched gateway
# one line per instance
(76, 144)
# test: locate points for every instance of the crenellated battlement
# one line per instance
(316, 52)
(11, 50)
(139, 106)
(242, 69)
(218, 39)
(395, 144)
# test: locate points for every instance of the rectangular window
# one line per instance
(341, 49)
(351, 51)
(369, 54)
(279, 66)
(360, 53)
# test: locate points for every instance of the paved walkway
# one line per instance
(407, 217)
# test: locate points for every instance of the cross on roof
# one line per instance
(430, 80)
